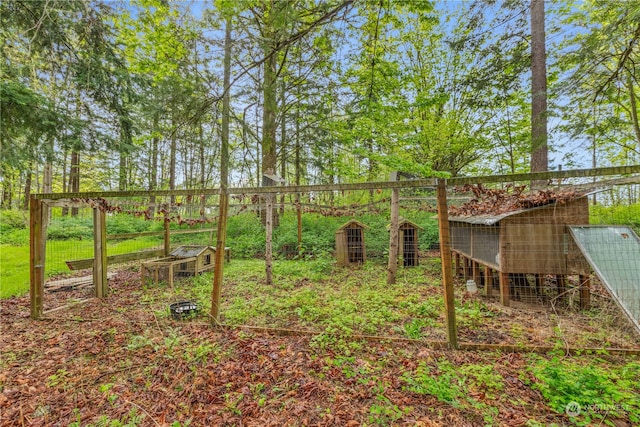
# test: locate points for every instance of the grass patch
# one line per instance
(316, 295)
(14, 259)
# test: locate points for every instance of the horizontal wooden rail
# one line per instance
(156, 233)
(417, 183)
(81, 264)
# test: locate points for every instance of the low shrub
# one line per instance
(124, 223)
(12, 219)
(70, 228)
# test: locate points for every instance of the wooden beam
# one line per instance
(81, 264)
(561, 281)
(156, 233)
(100, 253)
(475, 275)
(445, 253)
(419, 183)
(504, 289)
(585, 292)
(37, 241)
(488, 281)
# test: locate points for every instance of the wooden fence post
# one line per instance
(37, 246)
(445, 254)
(100, 253)
(167, 234)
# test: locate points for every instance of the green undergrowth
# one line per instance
(589, 390)
(337, 302)
(617, 215)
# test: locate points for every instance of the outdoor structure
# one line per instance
(408, 242)
(528, 242)
(614, 254)
(186, 260)
(350, 245)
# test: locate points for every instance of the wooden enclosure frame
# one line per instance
(39, 204)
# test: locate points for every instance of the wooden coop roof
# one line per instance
(490, 212)
(351, 223)
(404, 221)
(189, 251)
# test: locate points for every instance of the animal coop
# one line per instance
(408, 242)
(527, 252)
(350, 244)
(186, 260)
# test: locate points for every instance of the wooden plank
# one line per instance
(81, 264)
(445, 253)
(71, 283)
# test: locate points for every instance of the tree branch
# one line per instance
(208, 102)
(624, 57)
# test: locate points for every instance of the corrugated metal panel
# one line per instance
(614, 254)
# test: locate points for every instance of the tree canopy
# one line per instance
(317, 92)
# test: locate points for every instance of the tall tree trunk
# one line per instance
(172, 165)
(27, 187)
(283, 142)
(122, 170)
(539, 148)
(153, 173)
(74, 177)
(7, 191)
(224, 149)
(47, 187)
(269, 112)
(633, 108)
(298, 173)
(65, 185)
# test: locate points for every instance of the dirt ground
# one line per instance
(118, 362)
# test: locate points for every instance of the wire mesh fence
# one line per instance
(529, 268)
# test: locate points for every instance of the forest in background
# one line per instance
(149, 94)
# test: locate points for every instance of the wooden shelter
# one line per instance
(521, 243)
(186, 260)
(408, 242)
(350, 245)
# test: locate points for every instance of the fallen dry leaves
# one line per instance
(115, 359)
(490, 201)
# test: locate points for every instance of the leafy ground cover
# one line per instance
(125, 361)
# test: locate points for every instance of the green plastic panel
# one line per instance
(614, 254)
